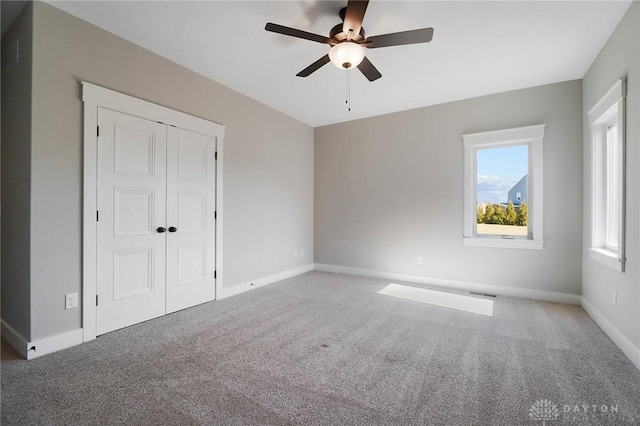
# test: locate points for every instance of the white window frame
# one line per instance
(610, 109)
(533, 137)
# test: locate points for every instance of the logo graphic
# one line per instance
(544, 410)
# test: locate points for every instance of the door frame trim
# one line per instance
(94, 97)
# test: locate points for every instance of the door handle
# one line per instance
(161, 229)
(172, 229)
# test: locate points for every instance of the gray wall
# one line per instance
(16, 179)
(268, 160)
(619, 57)
(390, 188)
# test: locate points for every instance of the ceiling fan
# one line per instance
(348, 38)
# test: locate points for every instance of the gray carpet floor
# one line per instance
(325, 348)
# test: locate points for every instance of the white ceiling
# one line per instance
(479, 48)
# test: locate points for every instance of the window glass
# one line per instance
(612, 184)
(501, 190)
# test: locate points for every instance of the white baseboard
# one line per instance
(547, 296)
(48, 345)
(16, 339)
(54, 343)
(37, 348)
(259, 282)
(626, 346)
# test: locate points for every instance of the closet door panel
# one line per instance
(131, 200)
(191, 174)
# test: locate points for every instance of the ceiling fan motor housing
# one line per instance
(338, 36)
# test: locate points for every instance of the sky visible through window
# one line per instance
(499, 169)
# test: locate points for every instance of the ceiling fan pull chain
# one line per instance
(348, 89)
(349, 72)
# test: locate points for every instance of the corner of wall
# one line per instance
(16, 340)
(16, 178)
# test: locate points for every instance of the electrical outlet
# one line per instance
(295, 253)
(614, 298)
(301, 252)
(71, 300)
(420, 260)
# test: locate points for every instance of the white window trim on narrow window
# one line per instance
(531, 136)
(608, 190)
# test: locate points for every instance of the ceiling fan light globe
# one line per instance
(346, 55)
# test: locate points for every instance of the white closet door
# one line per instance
(191, 186)
(131, 201)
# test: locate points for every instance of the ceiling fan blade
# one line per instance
(353, 16)
(369, 71)
(314, 66)
(280, 29)
(423, 35)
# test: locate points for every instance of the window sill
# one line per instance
(503, 243)
(607, 257)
